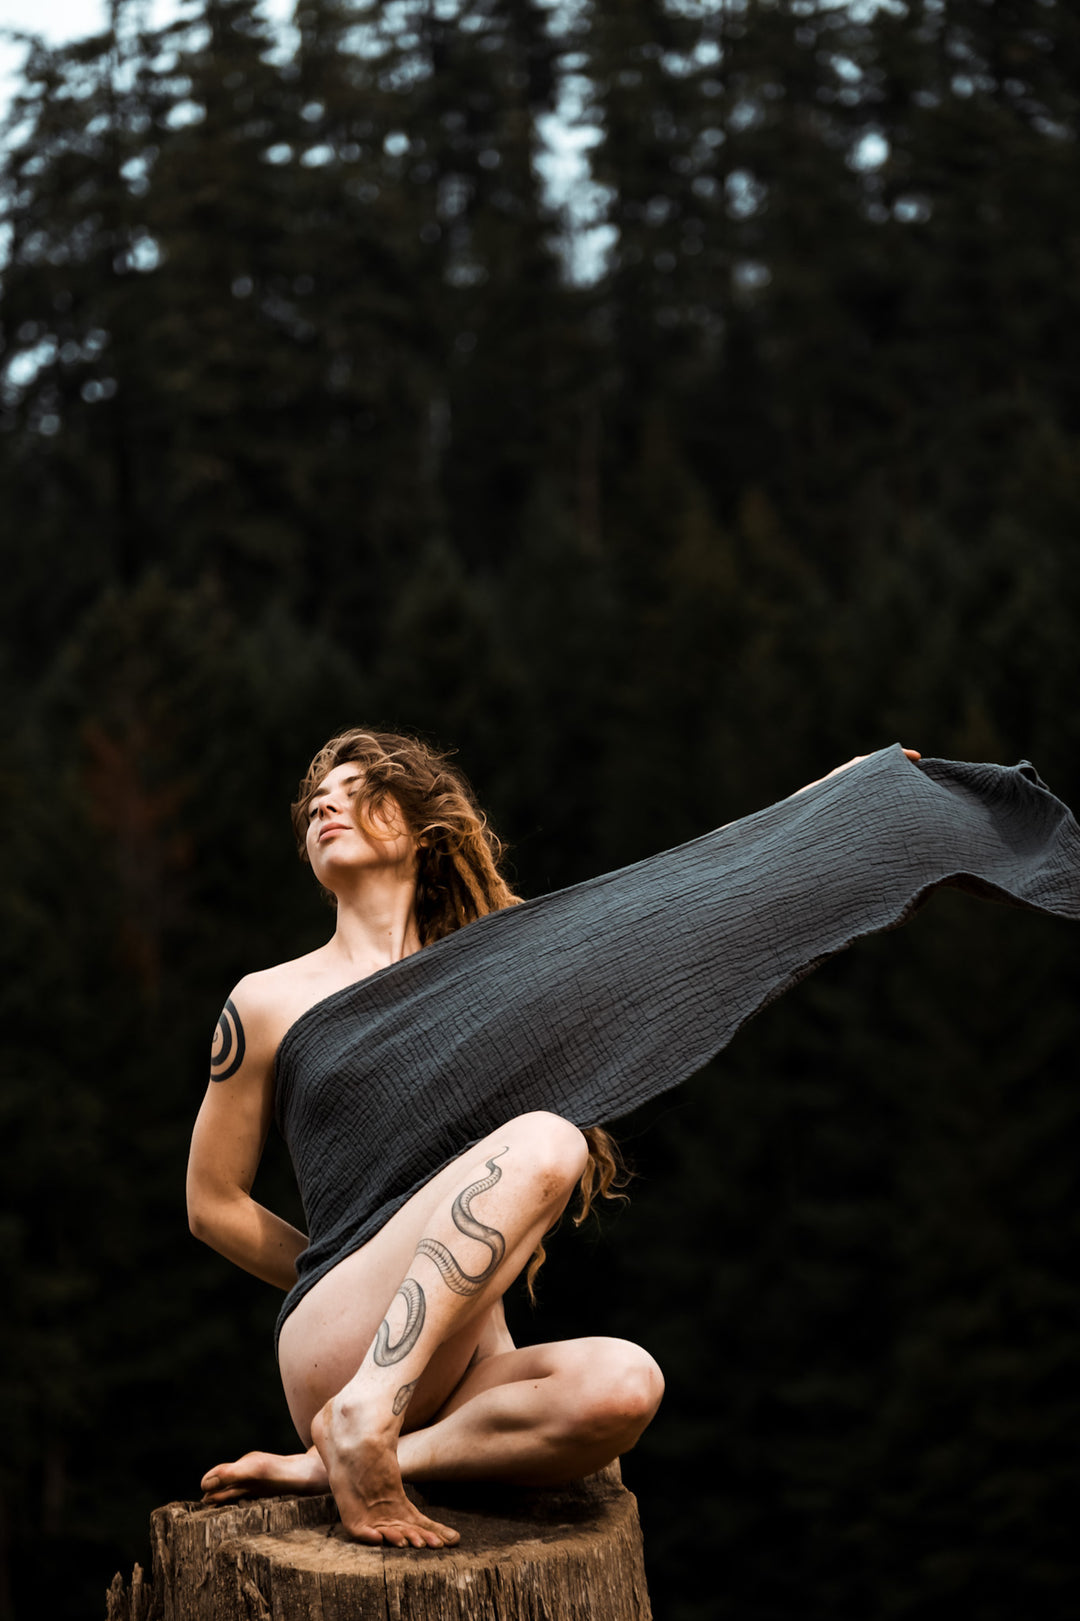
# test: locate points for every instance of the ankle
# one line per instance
(364, 1412)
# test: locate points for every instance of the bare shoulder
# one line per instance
(246, 1036)
(257, 1013)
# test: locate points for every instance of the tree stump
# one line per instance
(570, 1554)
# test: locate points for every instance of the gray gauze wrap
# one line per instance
(589, 1001)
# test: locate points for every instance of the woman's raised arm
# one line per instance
(227, 1144)
(912, 754)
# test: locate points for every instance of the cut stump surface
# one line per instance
(572, 1554)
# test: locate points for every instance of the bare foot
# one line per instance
(366, 1482)
(265, 1474)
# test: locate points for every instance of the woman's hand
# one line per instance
(912, 754)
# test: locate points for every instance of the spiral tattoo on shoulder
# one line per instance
(227, 1053)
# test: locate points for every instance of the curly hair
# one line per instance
(457, 852)
(458, 877)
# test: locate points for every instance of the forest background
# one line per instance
(314, 412)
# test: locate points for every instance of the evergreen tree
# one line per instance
(304, 425)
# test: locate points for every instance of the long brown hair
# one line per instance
(458, 877)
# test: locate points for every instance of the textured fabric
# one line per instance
(591, 1000)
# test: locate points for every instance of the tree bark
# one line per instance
(571, 1554)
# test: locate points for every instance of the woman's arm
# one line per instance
(227, 1145)
(912, 754)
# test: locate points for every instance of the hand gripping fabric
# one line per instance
(589, 1001)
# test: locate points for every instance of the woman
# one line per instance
(397, 1360)
(433, 1099)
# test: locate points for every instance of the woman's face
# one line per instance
(338, 842)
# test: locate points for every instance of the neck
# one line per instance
(376, 920)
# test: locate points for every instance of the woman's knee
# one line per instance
(553, 1149)
(615, 1390)
(633, 1384)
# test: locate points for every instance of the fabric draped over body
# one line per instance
(589, 1001)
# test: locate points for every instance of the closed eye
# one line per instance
(351, 785)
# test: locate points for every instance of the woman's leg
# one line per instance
(539, 1416)
(480, 1409)
(413, 1303)
(462, 1261)
(533, 1417)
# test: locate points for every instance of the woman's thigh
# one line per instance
(325, 1338)
(592, 1373)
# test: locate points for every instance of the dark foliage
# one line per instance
(304, 423)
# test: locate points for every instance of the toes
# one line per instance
(425, 1536)
(369, 1534)
(405, 1536)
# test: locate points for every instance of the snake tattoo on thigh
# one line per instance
(384, 1352)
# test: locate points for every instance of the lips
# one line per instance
(332, 827)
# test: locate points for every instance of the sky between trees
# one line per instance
(304, 425)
